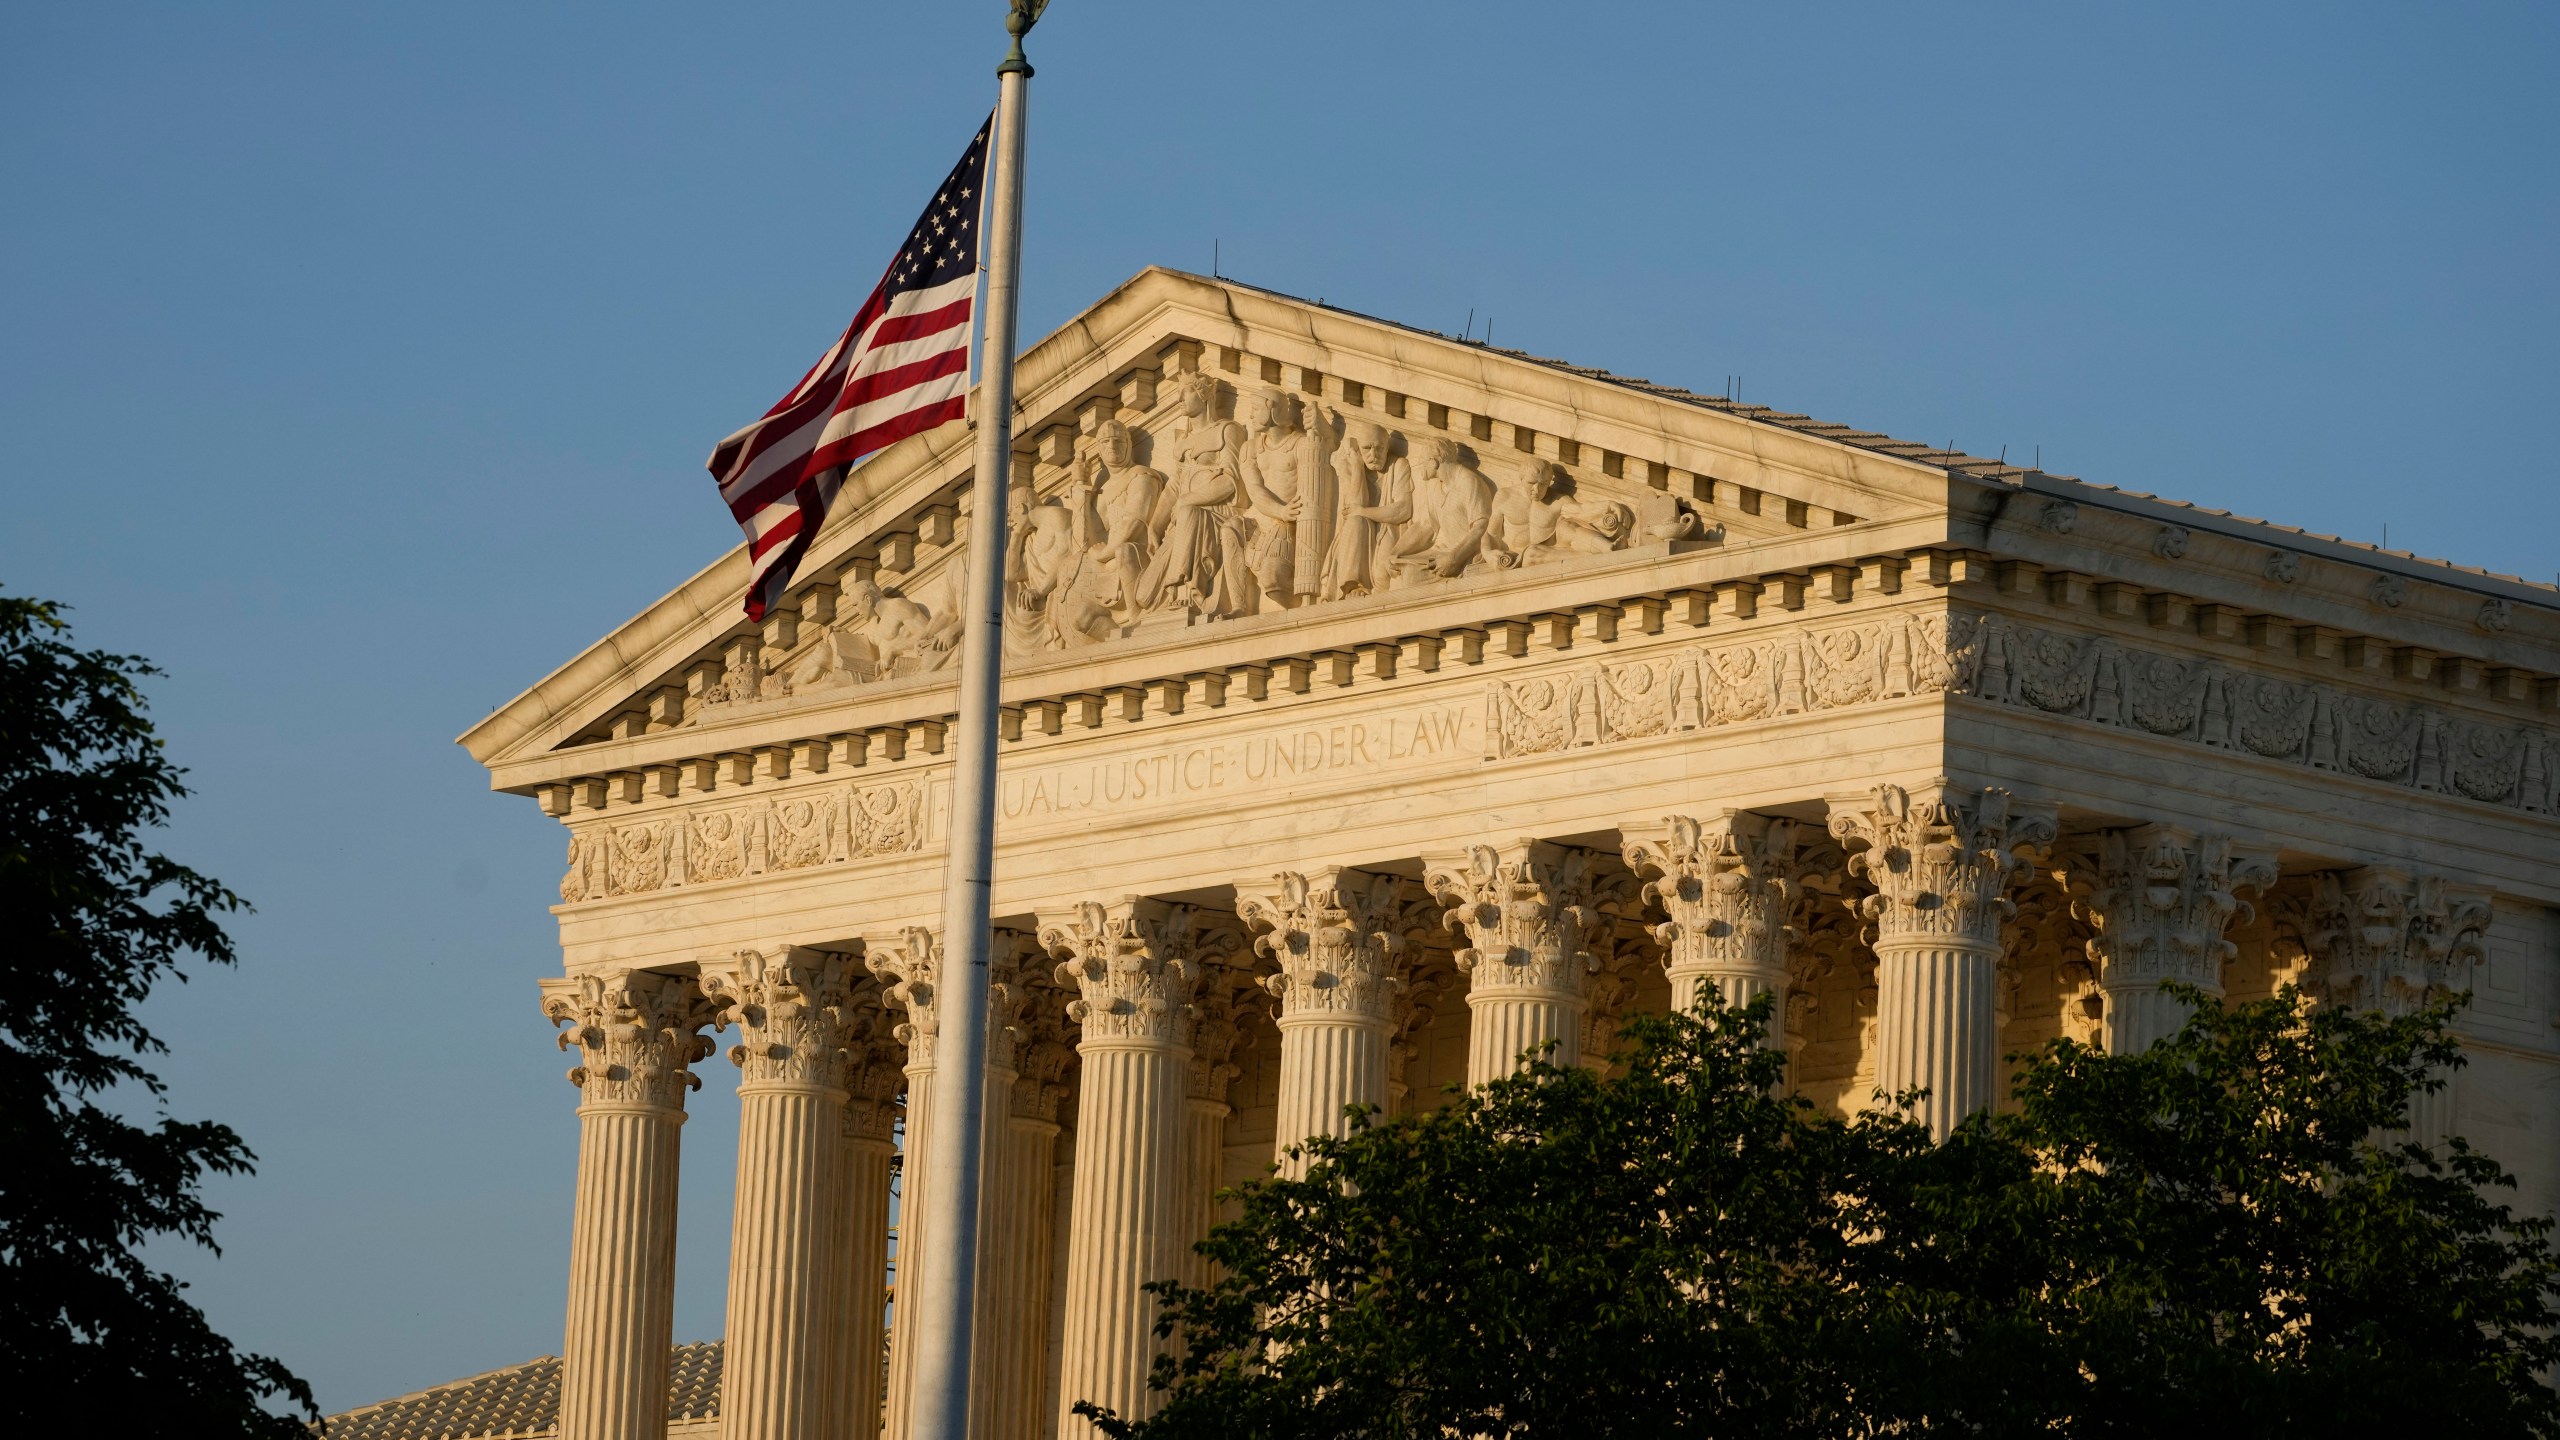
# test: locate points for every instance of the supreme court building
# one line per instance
(1381, 705)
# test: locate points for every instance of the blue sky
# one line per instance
(358, 362)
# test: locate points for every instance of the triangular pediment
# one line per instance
(1616, 468)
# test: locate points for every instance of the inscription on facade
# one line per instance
(1420, 734)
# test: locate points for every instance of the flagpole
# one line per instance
(941, 1307)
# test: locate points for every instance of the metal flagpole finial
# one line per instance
(1018, 23)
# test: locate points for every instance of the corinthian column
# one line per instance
(911, 968)
(1331, 931)
(1011, 1364)
(870, 1118)
(1132, 967)
(1726, 886)
(1207, 1078)
(2382, 939)
(1525, 910)
(2163, 898)
(636, 1035)
(781, 1372)
(1941, 861)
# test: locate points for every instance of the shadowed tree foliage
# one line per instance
(2221, 1235)
(94, 920)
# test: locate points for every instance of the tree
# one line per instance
(1657, 1252)
(2233, 1233)
(95, 920)
(2220, 1234)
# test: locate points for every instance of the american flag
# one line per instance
(902, 366)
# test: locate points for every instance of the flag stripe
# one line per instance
(899, 369)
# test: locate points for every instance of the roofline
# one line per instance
(1999, 472)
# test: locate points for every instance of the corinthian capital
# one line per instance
(2163, 898)
(1133, 966)
(637, 1035)
(1941, 858)
(1727, 884)
(2383, 939)
(1526, 910)
(794, 1012)
(1219, 1005)
(1332, 931)
(1044, 1051)
(872, 1079)
(910, 971)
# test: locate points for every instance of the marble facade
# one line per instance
(1381, 705)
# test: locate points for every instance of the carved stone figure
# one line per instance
(1291, 490)
(1053, 599)
(1452, 502)
(1119, 497)
(878, 633)
(1537, 516)
(1199, 544)
(1374, 499)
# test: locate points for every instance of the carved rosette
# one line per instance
(2381, 939)
(1941, 859)
(1728, 887)
(1526, 911)
(1333, 934)
(1133, 968)
(2164, 897)
(794, 1012)
(637, 1035)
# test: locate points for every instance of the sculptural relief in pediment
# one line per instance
(1229, 499)
(857, 633)
(1246, 499)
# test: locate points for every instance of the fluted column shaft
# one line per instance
(915, 1250)
(636, 1037)
(1327, 1065)
(1204, 1164)
(1127, 1224)
(864, 1166)
(1727, 886)
(1938, 1027)
(1013, 1364)
(622, 1256)
(1010, 1363)
(912, 967)
(999, 1193)
(866, 1219)
(1525, 910)
(1941, 860)
(783, 1367)
(1330, 932)
(1132, 966)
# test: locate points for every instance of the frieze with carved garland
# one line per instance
(797, 830)
(1991, 657)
